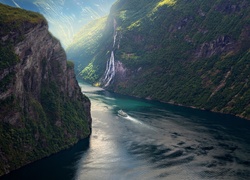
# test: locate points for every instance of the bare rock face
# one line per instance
(120, 70)
(42, 109)
(42, 60)
(223, 44)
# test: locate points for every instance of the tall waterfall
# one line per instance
(110, 70)
(110, 67)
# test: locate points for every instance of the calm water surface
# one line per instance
(156, 141)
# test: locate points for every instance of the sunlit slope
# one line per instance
(86, 42)
(194, 53)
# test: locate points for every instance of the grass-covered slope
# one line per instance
(194, 53)
(42, 109)
(12, 19)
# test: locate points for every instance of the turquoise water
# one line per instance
(155, 141)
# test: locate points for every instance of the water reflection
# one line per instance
(59, 166)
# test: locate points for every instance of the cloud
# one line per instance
(17, 5)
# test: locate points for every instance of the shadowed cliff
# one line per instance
(42, 109)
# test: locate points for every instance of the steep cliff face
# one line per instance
(194, 53)
(42, 109)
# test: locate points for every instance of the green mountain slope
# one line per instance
(42, 109)
(194, 53)
(86, 42)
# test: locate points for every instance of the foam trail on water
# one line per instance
(136, 121)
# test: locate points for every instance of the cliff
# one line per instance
(193, 53)
(42, 109)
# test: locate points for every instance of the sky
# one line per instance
(65, 17)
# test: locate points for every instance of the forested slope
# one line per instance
(194, 53)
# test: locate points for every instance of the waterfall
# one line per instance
(114, 39)
(110, 67)
(110, 70)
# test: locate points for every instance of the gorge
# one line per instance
(179, 69)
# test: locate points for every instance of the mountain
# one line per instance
(194, 53)
(65, 17)
(42, 109)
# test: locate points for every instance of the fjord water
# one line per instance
(155, 141)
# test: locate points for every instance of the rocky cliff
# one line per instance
(42, 109)
(192, 53)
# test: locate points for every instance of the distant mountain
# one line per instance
(193, 53)
(86, 42)
(65, 17)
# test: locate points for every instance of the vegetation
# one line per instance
(10, 15)
(8, 58)
(67, 112)
(56, 123)
(166, 2)
(11, 19)
(70, 64)
(42, 136)
(89, 73)
(194, 53)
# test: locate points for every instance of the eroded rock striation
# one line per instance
(42, 109)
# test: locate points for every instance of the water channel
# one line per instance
(155, 141)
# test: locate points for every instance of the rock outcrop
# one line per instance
(42, 109)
